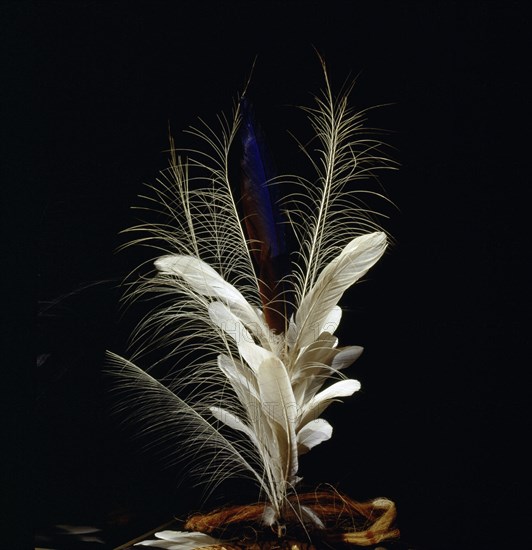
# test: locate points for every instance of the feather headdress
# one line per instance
(248, 321)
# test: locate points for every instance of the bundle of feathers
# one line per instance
(248, 283)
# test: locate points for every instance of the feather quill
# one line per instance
(251, 324)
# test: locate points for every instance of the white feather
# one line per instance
(234, 422)
(254, 355)
(313, 433)
(352, 263)
(315, 406)
(322, 350)
(180, 540)
(201, 277)
(312, 369)
(204, 280)
(242, 379)
(223, 318)
(308, 513)
(346, 357)
(278, 402)
(276, 391)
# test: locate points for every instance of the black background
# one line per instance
(440, 422)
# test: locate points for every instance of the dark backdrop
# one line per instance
(439, 424)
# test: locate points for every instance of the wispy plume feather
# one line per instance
(246, 324)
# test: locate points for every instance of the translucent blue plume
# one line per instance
(263, 219)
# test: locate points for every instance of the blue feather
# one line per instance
(263, 219)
